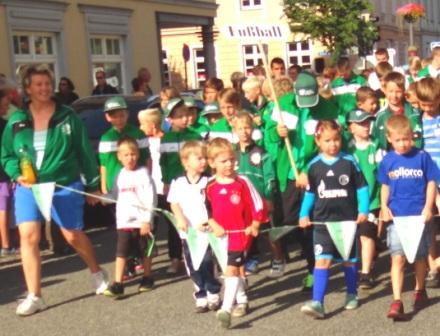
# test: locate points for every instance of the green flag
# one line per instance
(198, 244)
(410, 230)
(342, 234)
(219, 246)
(43, 193)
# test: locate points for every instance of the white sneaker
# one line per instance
(100, 281)
(31, 305)
(277, 269)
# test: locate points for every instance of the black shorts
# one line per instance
(236, 258)
(369, 229)
(131, 243)
(324, 247)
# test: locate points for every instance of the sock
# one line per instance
(231, 287)
(241, 296)
(320, 282)
(350, 273)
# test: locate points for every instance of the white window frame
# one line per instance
(23, 60)
(195, 60)
(251, 6)
(166, 73)
(299, 54)
(107, 58)
(255, 56)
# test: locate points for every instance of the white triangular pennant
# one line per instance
(198, 244)
(342, 234)
(219, 246)
(410, 230)
(43, 193)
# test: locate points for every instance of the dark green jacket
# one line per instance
(67, 155)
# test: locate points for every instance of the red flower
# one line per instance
(411, 12)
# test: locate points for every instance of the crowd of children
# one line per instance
(361, 155)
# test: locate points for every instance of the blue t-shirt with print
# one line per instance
(407, 177)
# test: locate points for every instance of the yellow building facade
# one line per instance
(234, 54)
(76, 37)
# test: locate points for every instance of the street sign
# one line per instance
(185, 52)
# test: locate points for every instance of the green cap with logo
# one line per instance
(211, 108)
(306, 90)
(172, 104)
(358, 116)
(190, 102)
(115, 103)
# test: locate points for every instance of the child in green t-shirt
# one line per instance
(367, 155)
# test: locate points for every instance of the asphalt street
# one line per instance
(168, 309)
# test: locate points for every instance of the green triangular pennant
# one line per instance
(342, 234)
(198, 244)
(410, 230)
(219, 246)
(43, 193)
(278, 232)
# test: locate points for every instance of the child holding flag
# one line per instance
(235, 209)
(187, 199)
(136, 198)
(408, 177)
(337, 192)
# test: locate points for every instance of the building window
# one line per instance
(250, 4)
(165, 69)
(36, 48)
(299, 53)
(251, 58)
(199, 68)
(107, 55)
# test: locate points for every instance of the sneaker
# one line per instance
(421, 299)
(308, 283)
(396, 310)
(224, 318)
(100, 281)
(115, 290)
(240, 310)
(366, 281)
(214, 301)
(214, 306)
(277, 269)
(31, 305)
(314, 309)
(201, 305)
(146, 284)
(174, 267)
(251, 266)
(6, 252)
(351, 302)
(432, 280)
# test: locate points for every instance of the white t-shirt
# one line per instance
(134, 188)
(156, 173)
(191, 199)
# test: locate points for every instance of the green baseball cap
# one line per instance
(190, 102)
(306, 90)
(115, 103)
(172, 104)
(211, 108)
(358, 116)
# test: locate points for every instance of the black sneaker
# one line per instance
(146, 284)
(366, 281)
(116, 290)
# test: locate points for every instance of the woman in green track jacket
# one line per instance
(53, 140)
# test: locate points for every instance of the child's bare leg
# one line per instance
(4, 230)
(367, 252)
(277, 252)
(420, 270)
(119, 268)
(147, 261)
(432, 256)
(397, 267)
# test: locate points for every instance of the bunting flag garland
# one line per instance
(43, 194)
(342, 234)
(410, 230)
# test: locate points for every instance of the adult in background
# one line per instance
(66, 94)
(144, 76)
(53, 138)
(381, 55)
(277, 67)
(138, 87)
(102, 87)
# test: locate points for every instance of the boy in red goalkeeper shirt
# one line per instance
(234, 208)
